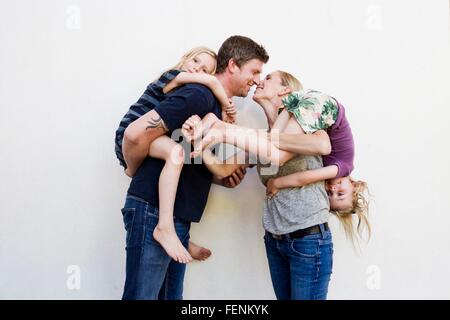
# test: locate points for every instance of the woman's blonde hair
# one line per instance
(359, 209)
(288, 80)
(194, 52)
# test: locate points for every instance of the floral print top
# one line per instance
(312, 109)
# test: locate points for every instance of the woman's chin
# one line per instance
(256, 98)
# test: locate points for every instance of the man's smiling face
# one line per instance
(246, 76)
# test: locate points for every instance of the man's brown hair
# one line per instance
(241, 49)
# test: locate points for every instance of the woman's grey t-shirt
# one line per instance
(295, 208)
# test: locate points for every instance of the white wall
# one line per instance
(66, 80)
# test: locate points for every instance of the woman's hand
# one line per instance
(271, 190)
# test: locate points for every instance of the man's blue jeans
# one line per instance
(300, 268)
(150, 273)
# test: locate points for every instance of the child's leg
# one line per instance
(250, 140)
(138, 137)
(170, 151)
(197, 127)
(197, 252)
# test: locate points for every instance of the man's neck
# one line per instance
(225, 81)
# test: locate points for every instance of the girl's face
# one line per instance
(340, 193)
(201, 63)
(269, 88)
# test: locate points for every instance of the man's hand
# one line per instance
(235, 178)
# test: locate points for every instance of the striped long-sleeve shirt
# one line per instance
(151, 98)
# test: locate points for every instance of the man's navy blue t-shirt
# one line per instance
(195, 179)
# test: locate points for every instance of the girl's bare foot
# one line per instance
(209, 120)
(199, 253)
(168, 239)
(214, 135)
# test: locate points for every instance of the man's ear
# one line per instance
(284, 91)
(232, 66)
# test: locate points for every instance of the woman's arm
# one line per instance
(300, 179)
(202, 78)
(317, 143)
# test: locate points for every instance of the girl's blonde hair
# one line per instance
(360, 209)
(194, 52)
(288, 80)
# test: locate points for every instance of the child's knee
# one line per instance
(177, 155)
(131, 136)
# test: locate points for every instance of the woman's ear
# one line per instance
(284, 91)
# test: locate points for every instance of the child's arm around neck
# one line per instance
(202, 78)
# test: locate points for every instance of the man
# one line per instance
(150, 272)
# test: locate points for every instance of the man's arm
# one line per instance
(233, 180)
(222, 169)
(228, 173)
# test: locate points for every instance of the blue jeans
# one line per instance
(300, 268)
(150, 273)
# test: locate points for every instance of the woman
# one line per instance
(298, 241)
(304, 116)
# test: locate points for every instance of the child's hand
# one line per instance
(226, 118)
(190, 128)
(271, 189)
(229, 112)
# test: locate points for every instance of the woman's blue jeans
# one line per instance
(300, 268)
